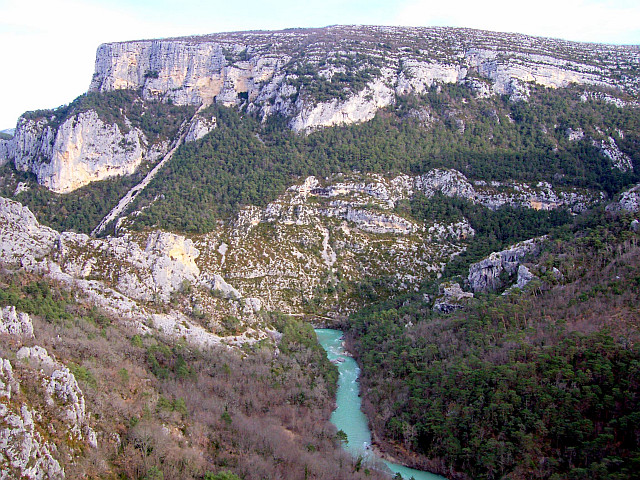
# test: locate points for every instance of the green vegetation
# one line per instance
(244, 162)
(341, 85)
(35, 297)
(180, 413)
(83, 209)
(495, 229)
(78, 211)
(247, 162)
(542, 385)
(298, 336)
(158, 121)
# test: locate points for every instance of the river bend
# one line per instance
(348, 416)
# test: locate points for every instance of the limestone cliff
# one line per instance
(280, 71)
(486, 275)
(81, 150)
(43, 415)
(314, 78)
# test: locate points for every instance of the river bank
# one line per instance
(348, 415)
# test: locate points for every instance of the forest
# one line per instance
(543, 384)
(247, 162)
(173, 411)
(540, 383)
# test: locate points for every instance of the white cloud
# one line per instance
(580, 20)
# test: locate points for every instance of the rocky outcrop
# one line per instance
(629, 201)
(619, 159)
(264, 69)
(220, 287)
(185, 71)
(28, 432)
(24, 452)
(61, 390)
(83, 149)
(524, 278)
(486, 275)
(16, 324)
(451, 298)
(200, 127)
(359, 108)
(172, 260)
(22, 239)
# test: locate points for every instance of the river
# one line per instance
(348, 416)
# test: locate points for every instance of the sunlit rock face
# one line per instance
(278, 71)
(315, 78)
(83, 149)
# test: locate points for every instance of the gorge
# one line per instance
(462, 204)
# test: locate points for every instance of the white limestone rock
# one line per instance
(177, 325)
(252, 305)
(619, 159)
(451, 298)
(81, 150)
(380, 223)
(7, 381)
(200, 127)
(523, 279)
(22, 239)
(24, 453)
(173, 262)
(61, 389)
(17, 324)
(461, 230)
(417, 76)
(450, 183)
(629, 201)
(575, 135)
(219, 285)
(185, 71)
(485, 275)
(359, 108)
(38, 357)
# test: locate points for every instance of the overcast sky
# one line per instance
(48, 46)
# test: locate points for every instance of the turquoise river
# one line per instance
(347, 416)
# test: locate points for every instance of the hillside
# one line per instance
(464, 204)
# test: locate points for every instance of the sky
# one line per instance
(47, 47)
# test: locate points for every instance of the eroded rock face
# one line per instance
(24, 453)
(22, 239)
(60, 389)
(26, 449)
(262, 69)
(199, 128)
(619, 159)
(17, 324)
(629, 201)
(289, 73)
(451, 298)
(82, 150)
(359, 108)
(525, 277)
(485, 275)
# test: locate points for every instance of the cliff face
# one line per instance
(83, 149)
(314, 77)
(276, 72)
